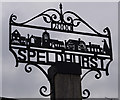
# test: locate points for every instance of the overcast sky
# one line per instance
(17, 83)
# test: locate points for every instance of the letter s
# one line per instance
(93, 61)
(22, 52)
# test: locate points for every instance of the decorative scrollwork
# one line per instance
(50, 18)
(107, 31)
(28, 69)
(70, 19)
(97, 76)
(42, 92)
(44, 14)
(59, 17)
(76, 22)
(46, 18)
(54, 18)
(13, 18)
(81, 20)
(87, 93)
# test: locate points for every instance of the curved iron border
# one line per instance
(28, 69)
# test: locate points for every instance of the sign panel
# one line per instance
(43, 46)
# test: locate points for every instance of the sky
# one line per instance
(1, 50)
(19, 84)
(60, 1)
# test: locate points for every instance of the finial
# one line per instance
(60, 6)
(61, 15)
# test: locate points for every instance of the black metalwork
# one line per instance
(66, 52)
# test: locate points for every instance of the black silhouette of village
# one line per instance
(46, 42)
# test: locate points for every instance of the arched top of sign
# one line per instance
(61, 21)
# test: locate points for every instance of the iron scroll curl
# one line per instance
(59, 17)
(28, 69)
(86, 92)
(97, 76)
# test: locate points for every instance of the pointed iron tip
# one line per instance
(60, 5)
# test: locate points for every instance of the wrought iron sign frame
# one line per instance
(44, 44)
